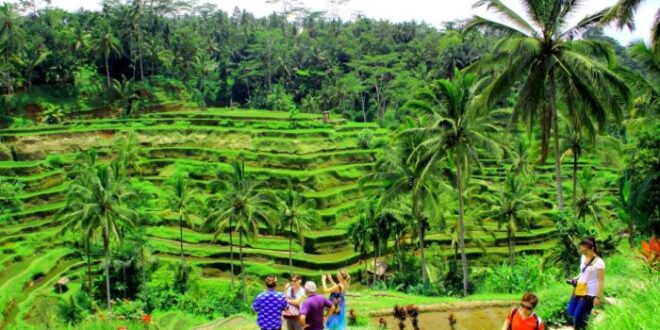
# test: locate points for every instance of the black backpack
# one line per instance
(513, 313)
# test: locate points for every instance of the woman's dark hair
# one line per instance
(296, 277)
(590, 243)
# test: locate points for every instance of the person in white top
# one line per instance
(295, 295)
(588, 284)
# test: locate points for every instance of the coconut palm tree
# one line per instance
(242, 209)
(511, 205)
(360, 233)
(181, 199)
(122, 96)
(622, 14)
(456, 131)
(11, 34)
(574, 143)
(589, 198)
(127, 148)
(296, 215)
(95, 203)
(364, 232)
(544, 57)
(629, 199)
(400, 173)
(521, 158)
(106, 45)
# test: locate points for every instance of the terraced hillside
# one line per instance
(323, 157)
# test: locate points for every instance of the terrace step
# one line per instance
(264, 160)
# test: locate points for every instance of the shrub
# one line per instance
(552, 305)
(364, 139)
(527, 274)
(74, 310)
(54, 161)
(650, 253)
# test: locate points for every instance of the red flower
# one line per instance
(146, 318)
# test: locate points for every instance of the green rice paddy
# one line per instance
(324, 157)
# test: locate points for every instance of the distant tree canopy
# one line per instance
(360, 68)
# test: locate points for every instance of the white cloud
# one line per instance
(431, 11)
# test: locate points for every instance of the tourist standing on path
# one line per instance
(269, 306)
(523, 317)
(294, 295)
(588, 285)
(337, 321)
(311, 312)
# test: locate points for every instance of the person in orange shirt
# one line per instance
(523, 317)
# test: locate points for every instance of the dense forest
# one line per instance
(153, 150)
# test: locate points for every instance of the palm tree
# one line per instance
(511, 206)
(127, 148)
(361, 233)
(296, 214)
(11, 34)
(645, 83)
(400, 173)
(106, 45)
(30, 61)
(574, 144)
(242, 209)
(181, 199)
(364, 232)
(544, 59)
(95, 202)
(622, 14)
(456, 131)
(122, 96)
(588, 197)
(629, 199)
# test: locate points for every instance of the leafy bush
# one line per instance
(527, 274)
(637, 310)
(552, 305)
(54, 161)
(213, 300)
(74, 310)
(364, 139)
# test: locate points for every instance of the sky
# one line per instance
(431, 11)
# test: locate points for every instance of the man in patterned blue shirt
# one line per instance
(269, 306)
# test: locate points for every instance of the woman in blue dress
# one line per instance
(337, 321)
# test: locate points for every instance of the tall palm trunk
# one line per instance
(555, 129)
(107, 70)
(240, 249)
(512, 253)
(89, 268)
(106, 251)
(181, 236)
(144, 275)
(575, 168)
(420, 234)
(231, 254)
(461, 224)
(291, 248)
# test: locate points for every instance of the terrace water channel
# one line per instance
(469, 316)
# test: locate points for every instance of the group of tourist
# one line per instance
(301, 306)
(587, 293)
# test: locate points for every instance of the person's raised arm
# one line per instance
(333, 288)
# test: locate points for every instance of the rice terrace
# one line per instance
(302, 164)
